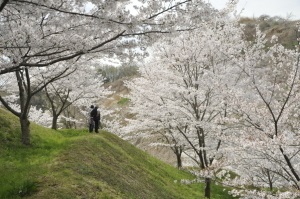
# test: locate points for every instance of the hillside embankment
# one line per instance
(77, 164)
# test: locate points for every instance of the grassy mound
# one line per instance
(77, 164)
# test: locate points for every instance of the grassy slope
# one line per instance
(76, 164)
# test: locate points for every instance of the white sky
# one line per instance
(256, 8)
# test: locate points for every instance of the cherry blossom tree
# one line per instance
(84, 84)
(235, 103)
(266, 104)
(43, 34)
(28, 82)
(183, 91)
(39, 116)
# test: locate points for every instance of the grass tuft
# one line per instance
(123, 101)
(27, 188)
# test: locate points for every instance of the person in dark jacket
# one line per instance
(91, 119)
(96, 116)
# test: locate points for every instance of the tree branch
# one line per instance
(3, 4)
(170, 8)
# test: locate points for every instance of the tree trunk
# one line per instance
(25, 124)
(178, 151)
(207, 187)
(270, 180)
(179, 161)
(3, 5)
(54, 122)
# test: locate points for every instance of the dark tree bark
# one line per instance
(54, 122)
(25, 128)
(207, 187)
(270, 180)
(178, 151)
(25, 99)
(3, 4)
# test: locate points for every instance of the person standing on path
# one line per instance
(96, 116)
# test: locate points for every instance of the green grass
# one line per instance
(123, 101)
(77, 164)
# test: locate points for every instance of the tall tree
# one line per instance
(40, 34)
(28, 83)
(185, 91)
(266, 106)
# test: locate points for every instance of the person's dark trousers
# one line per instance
(91, 125)
(91, 128)
(97, 126)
